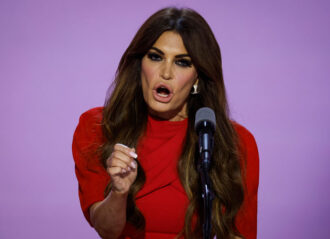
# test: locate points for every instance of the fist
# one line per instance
(122, 168)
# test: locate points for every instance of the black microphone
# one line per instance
(205, 127)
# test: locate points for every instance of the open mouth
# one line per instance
(163, 91)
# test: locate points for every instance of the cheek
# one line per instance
(186, 80)
(147, 72)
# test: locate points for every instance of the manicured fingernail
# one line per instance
(123, 170)
(123, 145)
(128, 169)
(134, 155)
(133, 164)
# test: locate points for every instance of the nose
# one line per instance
(166, 71)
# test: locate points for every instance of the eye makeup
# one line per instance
(157, 55)
(154, 56)
(183, 62)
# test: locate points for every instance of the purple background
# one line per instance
(57, 59)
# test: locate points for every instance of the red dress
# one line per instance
(162, 200)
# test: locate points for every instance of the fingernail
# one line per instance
(133, 164)
(128, 169)
(123, 145)
(134, 155)
(123, 170)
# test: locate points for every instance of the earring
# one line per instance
(194, 90)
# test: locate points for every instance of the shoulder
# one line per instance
(245, 137)
(88, 133)
(246, 140)
(90, 122)
(93, 115)
(86, 148)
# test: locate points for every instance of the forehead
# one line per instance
(170, 42)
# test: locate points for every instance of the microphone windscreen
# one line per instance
(205, 114)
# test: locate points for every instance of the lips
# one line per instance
(162, 93)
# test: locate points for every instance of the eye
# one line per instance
(183, 63)
(154, 56)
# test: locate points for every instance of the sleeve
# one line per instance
(91, 175)
(246, 220)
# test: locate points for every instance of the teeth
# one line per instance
(162, 91)
(162, 95)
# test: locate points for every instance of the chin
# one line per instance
(164, 111)
(160, 107)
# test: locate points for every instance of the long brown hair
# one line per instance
(125, 117)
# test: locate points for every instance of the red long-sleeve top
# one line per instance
(162, 200)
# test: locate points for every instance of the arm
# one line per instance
(109, 215)
(247, 216)
(104, 213)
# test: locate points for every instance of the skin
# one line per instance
(167, 63)
(109, 216)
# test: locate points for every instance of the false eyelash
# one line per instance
(154, 57)
(184, 63)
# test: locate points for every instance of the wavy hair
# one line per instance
(125, 118)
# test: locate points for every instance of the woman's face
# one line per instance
(167, 76)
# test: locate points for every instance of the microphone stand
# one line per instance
(207, 193)
(205, 128)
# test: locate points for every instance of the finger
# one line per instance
(119, 156)
(125, 149)
(133, 164)
(115, 161)
(130, 165)
(118, 163)
(118, 171)
(114, 171)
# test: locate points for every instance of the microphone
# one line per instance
(205, 127)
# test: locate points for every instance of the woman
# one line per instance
(136, 157)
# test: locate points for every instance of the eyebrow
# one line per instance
(162, 53)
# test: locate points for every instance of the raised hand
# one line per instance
(122, 168)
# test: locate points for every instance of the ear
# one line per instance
(196, 81)
(194, 90)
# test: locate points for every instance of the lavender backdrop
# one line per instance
(57, 59)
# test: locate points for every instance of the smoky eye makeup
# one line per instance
(154, 56)
(184, 62)
(180, 60)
